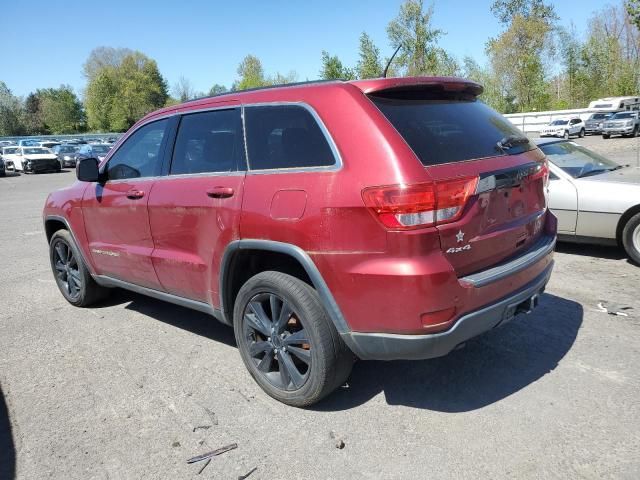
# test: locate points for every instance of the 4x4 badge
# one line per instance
(459, 249)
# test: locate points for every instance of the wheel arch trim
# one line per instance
(298, 254)
(73, 236)
(624, 218)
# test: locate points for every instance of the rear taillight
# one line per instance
(407, 207)
(542, 171)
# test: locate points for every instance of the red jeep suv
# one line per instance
(327, 221)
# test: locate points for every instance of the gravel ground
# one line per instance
(135, 387)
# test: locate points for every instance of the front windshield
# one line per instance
(577, 161)
(9, 151)
(558, 122)
(620, 115)
(99, 149)
(68, 149)
(35, 151)
(598, 116)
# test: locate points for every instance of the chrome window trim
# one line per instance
(338, 165)
(323, 128)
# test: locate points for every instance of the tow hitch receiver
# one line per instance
(525, 306)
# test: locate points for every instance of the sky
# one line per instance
(47, 41)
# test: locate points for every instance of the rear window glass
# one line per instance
(449, 130)
(285, 136)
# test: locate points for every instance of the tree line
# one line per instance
(532, 64)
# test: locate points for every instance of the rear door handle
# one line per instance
(135, 194)
(220, 192)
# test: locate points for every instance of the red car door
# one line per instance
(194, 212)
(115, 210)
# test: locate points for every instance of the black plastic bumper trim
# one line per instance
(382, 346)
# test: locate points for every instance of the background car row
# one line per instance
(35, 156)
(626, 124)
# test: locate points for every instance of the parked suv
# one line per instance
(595, 122)
(564, 128)
(374, 219)
(626, 124)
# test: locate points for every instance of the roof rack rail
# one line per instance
(267, 87)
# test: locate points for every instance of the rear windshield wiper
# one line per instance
(600, 170)
(511, 141)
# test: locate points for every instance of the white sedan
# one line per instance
(595, 199)
(31, 159)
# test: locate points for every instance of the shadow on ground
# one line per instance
(488, 369)
(586, 250)
(174, 315)
(7, 448)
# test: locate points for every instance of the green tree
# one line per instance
(183, 90)
(119, 95)
(217, 89)
(10, 113)
(100, 95)
(61, 110)
(280, 79)
(251, 74)
(333, 69)
(369, 64)
(104, 57)
(505, 10)
(494, 94)
(33, 122)
(517, 55)
(633, 10)
(419, 51)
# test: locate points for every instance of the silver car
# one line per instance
(595, 199)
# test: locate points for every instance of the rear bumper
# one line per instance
(384, 346)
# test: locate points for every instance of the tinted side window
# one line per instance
(209, 142)
(139, 156)
(285, 136)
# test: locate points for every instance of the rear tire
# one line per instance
(631, 238)
(70, 272)
(605, 136)
(286, 340)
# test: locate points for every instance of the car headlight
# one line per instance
(66, 157)
(629, 123)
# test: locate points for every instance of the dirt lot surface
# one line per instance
(135, 387)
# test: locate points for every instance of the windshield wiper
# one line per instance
(511, 141)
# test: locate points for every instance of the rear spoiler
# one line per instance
(447, 84)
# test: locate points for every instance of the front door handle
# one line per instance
(135, 194)
(220, 192)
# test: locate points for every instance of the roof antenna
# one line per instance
(386, 69)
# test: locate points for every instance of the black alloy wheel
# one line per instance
(67, 269)
(277, 341)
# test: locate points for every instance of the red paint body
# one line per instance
(173, 238)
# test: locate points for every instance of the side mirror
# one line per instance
(87, 170)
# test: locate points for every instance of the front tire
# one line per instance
(605, 136)
(566, 135)
(286, 340)
(631, 238)
(70, 272)
(581, 134)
